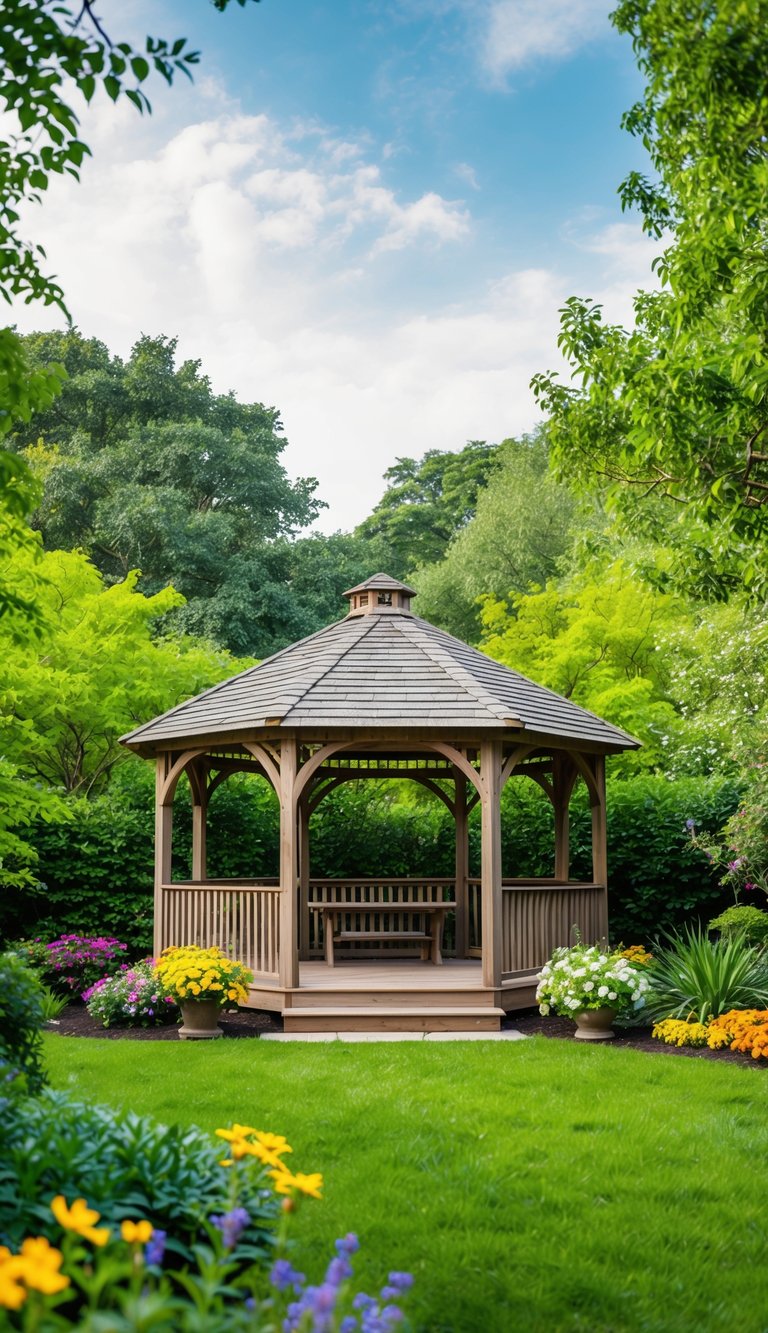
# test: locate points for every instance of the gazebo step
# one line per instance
(403, 1019)
(376, 995)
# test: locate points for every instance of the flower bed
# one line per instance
(133, 997)
(740, 1030)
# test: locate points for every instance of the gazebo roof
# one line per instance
(386, 669)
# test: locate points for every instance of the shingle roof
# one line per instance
(369, 672)
(382, 582)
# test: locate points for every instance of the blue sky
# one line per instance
(365, 213)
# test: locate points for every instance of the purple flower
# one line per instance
(347, 1245)
(348, 1324)
(690, 824)
(339, 1270)
(155, 1248)
(401, 1281)
(284, 1275)
(232, 1225)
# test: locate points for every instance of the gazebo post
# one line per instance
(562, 781)
(600, 836)
(288, 954)
(163, 848)
(304, 913)
(490, 872)
(199, 786)
(462, 863)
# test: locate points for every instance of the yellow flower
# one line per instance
(268, 1148)
(35, 1268)
(286, 1183)
(276, 1143)
(12, 1293)
(41, 1266)
(136, 1233)
(79, 1218)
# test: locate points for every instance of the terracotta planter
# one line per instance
(201, 1020)
(595, 1024)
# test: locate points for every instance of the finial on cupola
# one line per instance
(379, 593)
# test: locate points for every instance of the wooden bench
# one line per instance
(430, 941)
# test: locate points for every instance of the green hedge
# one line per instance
(96, 872)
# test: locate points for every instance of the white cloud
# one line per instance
(517, 32)
(283, 265)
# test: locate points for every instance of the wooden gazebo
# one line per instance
(382, 694)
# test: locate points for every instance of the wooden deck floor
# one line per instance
(395, 974)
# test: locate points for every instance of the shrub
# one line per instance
(744, 1030)
(75, 962)
(21, 1020)
(133, 997)
(748, 924)
(694, 975)
(126, 1166)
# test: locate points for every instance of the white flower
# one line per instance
(573, 1004)
(580, 972)
(544, 1009)
(612, 995)
(594, 967)
(602, 991)
(589, 985)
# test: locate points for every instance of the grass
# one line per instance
(535, 1186)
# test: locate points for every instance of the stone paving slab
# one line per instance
(508, 1035)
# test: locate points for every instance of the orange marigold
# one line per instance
(744, 1030)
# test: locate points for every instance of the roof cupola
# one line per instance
(379, 593)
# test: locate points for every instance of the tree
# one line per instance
(95, 672)
(594, 639)
(522, 528)
(427, 501)
(146, 468)
(688, 678)
(49, 50)
(678, 406)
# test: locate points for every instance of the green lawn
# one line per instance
(529, 1186)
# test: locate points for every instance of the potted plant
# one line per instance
(203, 982)
(590, 985)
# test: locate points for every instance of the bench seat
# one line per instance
(429, 940)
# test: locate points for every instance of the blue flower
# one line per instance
(155, 1248)
(232, 1225)
(284, 1275)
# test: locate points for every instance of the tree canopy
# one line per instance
(523, 526)
(145, 467)
(428, 500)
(678, 405)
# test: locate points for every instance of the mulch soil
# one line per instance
(75, 1021)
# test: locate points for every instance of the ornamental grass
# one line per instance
(693, 976)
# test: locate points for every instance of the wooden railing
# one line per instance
(535, 919)
(356, 893)
(238, 916)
